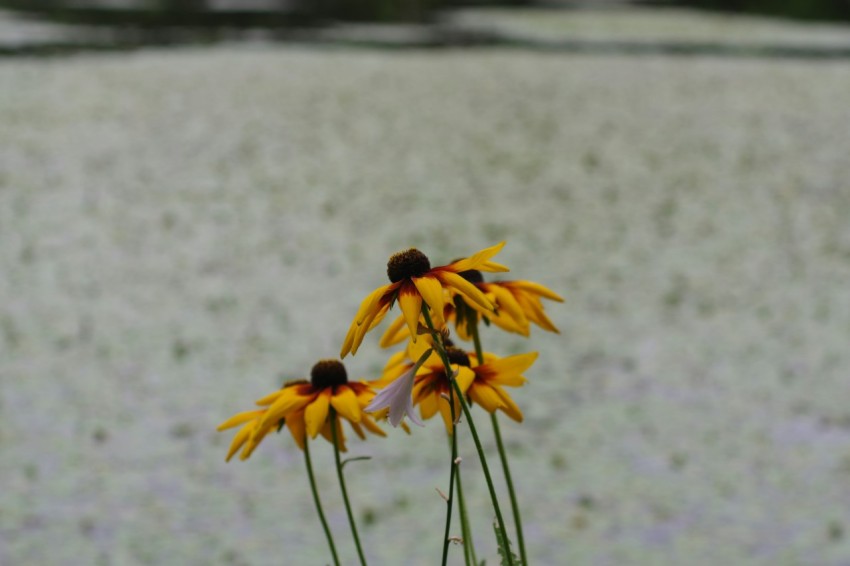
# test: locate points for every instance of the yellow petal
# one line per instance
(367, 311)
(465, 377)
(238, 440)
(358, 430)
(370, 304)
(371, 426)
(509, 407)
(410, 302)
(505, 322)
(469, 291)
(507, 369)
(291, 401)
(536, 288)
(295, 424)
(326, 432)
(240, 418)
(256, 437)
(493, 267)
(356, 332)
(270, 398)
(345, 403)
(446, 413)
(316, 413)
(428, 406)
(533, 309)
(486, 397)
(397, 332)
(505, 302)
(432, 292)
(476, 260)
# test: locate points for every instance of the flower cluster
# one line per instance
(431, 374)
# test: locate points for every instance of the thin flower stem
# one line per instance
(479, 352)
(438, 344)
(317, 501)
(334, 436)
(468, 547)
(452, 473)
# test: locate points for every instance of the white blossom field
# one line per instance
(183, 229)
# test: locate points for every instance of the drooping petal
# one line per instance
(535, 288)
(252, 444)
(294, 400)
(469, 291)
(486, 397)
(356, 333)
(295, 424)
(428, 405)
(506, 303)
(340, 435)
(410, 302)
(432, 292)
(370, 303)
(395, 333)
(345, 403)
(533, 309)
(371, 426)
(240, 418)
(358, 430)
(270, 398)
(493, 267)
(377, 301)
(446, 412)
(316, 413)
(240, 439)
(477, 260)
(509, 407)
(505, 322)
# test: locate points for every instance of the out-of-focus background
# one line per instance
(195, 196)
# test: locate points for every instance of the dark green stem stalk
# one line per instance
(438, 344)
(317, 501)
(335, 435)
(503, 456)
(468, 547)
(451, 483)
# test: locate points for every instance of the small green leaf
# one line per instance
(347, 460)
(505, 548)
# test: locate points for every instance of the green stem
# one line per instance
(503, 456)
(334, 435)
(317, 501)
(438, 344)
(511, 493)
(451, 483)
(468, 547)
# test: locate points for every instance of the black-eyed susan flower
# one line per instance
(483, 383)
(516, 304)
(412, 281)
(304, 407)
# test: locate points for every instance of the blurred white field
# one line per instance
(182, 229)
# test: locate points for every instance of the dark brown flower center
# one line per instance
(472, 275)
(328, 373)
(457, 356)
(407, 264)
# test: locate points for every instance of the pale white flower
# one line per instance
(398, 396)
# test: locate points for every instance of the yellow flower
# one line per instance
(517, 304)
(412, 281)
(304, 407)
(483, 383)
